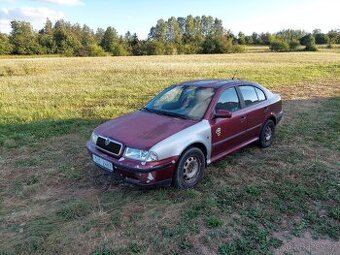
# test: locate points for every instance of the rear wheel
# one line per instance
(190, 168)
(267, 134)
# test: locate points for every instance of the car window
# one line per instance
(228, 101)
(172, 95)
(189, 102)
(260, 94)
(249, 94)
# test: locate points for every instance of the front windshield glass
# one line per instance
(189, 102)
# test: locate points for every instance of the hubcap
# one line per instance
(191, 167)
(268, 134)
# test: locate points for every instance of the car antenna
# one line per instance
(236, 71)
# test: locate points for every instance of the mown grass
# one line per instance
(54, 201)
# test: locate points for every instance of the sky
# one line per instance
(139, 16)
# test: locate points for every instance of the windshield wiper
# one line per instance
(146, 109)
(152, 110)
(172, 114)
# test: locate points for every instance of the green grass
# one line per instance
(74, 210)
(53, 200)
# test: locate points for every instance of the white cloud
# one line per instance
(64, 2)
(4, 26)
(37, 16)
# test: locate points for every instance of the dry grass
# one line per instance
(53, 200)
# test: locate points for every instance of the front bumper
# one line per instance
(133, 171)
(279, 117)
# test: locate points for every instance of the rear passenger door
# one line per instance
(255, 107)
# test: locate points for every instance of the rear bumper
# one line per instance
(134, 172)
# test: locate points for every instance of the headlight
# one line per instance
(94, 138)
(145, 156)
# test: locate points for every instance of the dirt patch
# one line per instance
(307, 245)
(309, 91)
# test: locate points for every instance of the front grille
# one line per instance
(110, 146)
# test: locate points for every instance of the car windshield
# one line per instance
(188, 102)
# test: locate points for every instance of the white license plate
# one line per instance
(102, 162)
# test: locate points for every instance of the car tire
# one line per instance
(267, 134)
(190, 168)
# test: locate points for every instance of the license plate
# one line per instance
(102, 162)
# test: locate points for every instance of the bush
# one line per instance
(68, 52)
(238, 48)
(311, 48)
(189, 49)
(120, 50)
(171, 49)
(154, 48)
(92, 50)
(220, 44)
(330, 45)
(309, 42)
(5, 45)
(278, 46)
(95, 50)
(211, 46)
(321, 38)
(293, 45)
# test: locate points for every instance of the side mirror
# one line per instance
(221, 113)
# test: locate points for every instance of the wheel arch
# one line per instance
(200, 146)
(273, 118)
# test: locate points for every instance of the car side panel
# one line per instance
(276, 107)
(228, 133)
(256, 116)
(177, 143)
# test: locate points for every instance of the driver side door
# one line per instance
(227, 132)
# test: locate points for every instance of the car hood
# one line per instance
(142, 129)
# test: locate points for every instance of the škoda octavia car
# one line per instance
(185, 128)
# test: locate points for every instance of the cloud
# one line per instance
(64, 2)
(4, 26)
(37, 16)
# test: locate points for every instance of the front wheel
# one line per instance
(267, 134)
(190, 168)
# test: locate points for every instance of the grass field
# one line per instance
(53, 201)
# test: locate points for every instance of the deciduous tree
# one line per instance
(23, 39)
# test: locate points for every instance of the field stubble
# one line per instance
(52, 198)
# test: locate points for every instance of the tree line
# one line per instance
(190, 35)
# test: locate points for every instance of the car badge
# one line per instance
(107, 141)
(218, 131)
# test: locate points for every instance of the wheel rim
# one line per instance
(268, 134)
(190, 169)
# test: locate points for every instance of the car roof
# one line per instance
(216, 83)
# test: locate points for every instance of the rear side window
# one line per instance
(229, 101)
(260, 94)
(249, 94)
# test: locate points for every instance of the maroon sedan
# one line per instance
(185, 128)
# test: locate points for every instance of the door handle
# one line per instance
(266, 109)
(243, 118)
